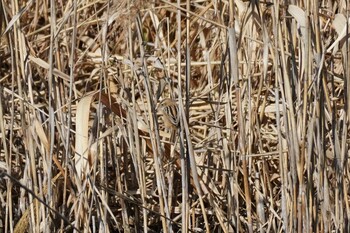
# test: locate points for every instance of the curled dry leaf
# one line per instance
(339, 24)
(300, 16)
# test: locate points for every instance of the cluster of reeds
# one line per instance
(174, 116)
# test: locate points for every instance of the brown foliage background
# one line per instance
(261, 100)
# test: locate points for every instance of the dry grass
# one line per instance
(257, 136)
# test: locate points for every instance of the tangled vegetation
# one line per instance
(174, 116)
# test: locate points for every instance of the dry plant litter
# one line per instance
(174, 116)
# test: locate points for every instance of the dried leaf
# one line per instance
(339, 25)
(81, 136)
(46, 65)
(41, 134)
(300, 16)
(17, 16)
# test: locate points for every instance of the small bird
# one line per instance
(169, 110)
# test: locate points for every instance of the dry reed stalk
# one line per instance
(260, 143)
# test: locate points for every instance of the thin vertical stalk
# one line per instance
(184, 165)
(69, 106)
(53, 37)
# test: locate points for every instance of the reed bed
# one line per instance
(174, 116)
